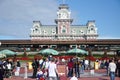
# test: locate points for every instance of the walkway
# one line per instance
(99, 75)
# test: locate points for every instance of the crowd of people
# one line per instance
(8, 68)
(46, 68)
(77, 67)
(74, 67)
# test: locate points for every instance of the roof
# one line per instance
(98, 42)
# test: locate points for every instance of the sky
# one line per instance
(17, 16)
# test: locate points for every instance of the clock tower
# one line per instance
(63, 20)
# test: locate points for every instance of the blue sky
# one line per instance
(17, 16)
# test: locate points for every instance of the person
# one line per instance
(37, 62)
(1, 72)
(70, 68)
(74, 77)
(52, 70)
(86, 64)
(96, 64)
(18, 66)
(118, 67)
(106, 66)
(39, 74)
(112, 68)
(50, 57)
(77, 66)
(43, 64)
(9, 68)
(82, 67)
(40, 62)
(34, 65)
(46, 64)
(25, 68)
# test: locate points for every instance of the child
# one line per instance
(39, 74)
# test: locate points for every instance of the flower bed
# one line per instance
(91, 58)
(105, 58)
(20, 58)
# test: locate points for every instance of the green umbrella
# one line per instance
(49, 51)
(7, 52)
(76, 50)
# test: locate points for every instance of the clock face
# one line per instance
(63, 15)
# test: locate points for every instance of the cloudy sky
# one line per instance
(17, 16)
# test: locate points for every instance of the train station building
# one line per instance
(64, 36)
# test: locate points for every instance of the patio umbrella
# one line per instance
(49, 51)
(7, 52)
(77, 51)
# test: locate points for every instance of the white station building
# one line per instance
(64, 30)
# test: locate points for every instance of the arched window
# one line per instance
(64, 29)
(36, 29)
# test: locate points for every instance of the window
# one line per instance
(73, 31)
(81, 31)
(92, 29)
(63, 29)
(53, 31)
(36, 29)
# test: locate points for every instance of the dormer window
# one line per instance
(81, 31)
(73, 31)
(53, 32)
(36, 29)
(92, 29)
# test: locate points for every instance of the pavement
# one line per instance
(98, 75)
